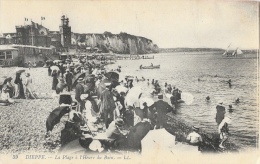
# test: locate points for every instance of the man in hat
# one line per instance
(78, 91)
(68, 78)
(220, 112)
(161, 108)
(194, 138)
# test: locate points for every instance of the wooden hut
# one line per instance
(7, 55)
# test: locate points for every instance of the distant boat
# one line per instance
(237, 52)
(150, 67)
(234, 54)
(226, 52)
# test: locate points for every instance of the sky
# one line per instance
(170, 24)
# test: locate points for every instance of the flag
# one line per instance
(25, 19)
(43, 18)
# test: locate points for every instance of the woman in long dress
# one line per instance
(28, 87)
(19, 91)
(55, 79)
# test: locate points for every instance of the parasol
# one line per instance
(133, 95)
(157, 141)
(57, 61)
(55, 117)
(112, 75)
(54, 68)
(187, 98)
(49, 61)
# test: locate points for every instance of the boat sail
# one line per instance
(237, 52)
(226, 52)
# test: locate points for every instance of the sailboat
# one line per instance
(237, 52)
(234, 54)
(226, 52)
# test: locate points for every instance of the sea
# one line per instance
(203, 74)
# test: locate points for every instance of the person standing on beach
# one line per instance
(49, 70)
(28, 87)
(161, 108)
(68, 77)
(54, 79)
(19, 92)
(107, 105)
(78, 91)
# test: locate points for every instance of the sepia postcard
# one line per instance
(129, 81)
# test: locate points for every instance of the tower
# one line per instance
(65, 31)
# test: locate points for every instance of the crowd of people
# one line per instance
(102, 98)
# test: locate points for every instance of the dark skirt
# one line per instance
(54, 83)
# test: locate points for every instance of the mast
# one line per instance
(235, 53)
(225, 53)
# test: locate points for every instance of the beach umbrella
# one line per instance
(55, 117)
(133, 95)
(120, 89)
(49, 61)
(112, 75)
(187, 98)
(149, 102)
(157, 141)
(57, 61)
(54, 68)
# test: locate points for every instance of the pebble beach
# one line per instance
(22, 124)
